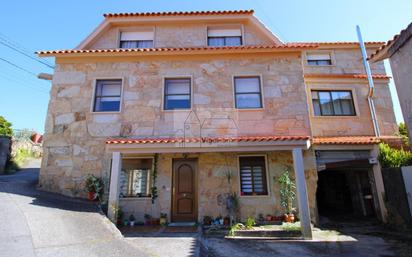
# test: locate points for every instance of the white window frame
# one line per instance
(94, 85)
(261, 91)
(330, 52)
(163, 87)
(226, 26)
(266, 172)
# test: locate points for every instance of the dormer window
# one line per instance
(319, 59)
(137, 39)
(220, 36)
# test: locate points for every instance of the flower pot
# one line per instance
(291, 218)
(226, 221)
(163, 221)
(268, 217)
(132, 223)
(91, 196)
(36, 138)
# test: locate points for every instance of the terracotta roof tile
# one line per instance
(189, 13)
(204, 139)
(337, 43)
(347, 75)
(179, 49)
(386, 45)
(352, 140)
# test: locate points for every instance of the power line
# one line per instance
(23, 53)
(18, 67)
(17, 47)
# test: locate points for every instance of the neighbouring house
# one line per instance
(399, 52)
(197, 105)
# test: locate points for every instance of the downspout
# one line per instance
(371, 85)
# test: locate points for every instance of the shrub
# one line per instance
(250, 222)
(5, 127)
(235, 227)
(287, 191)
(291, 226)
(393, 158)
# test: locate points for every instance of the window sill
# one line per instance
(336, 117)
(250, 109)
(254, 196)
(135, 198)
(111, 112)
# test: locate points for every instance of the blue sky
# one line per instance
(46, 24)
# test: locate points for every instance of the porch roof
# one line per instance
(207, 144)
(353, 140)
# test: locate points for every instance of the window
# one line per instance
(107, 95)
(136, 39)
(224, 37)
(135, 177)
(333, 103)
(248, 92)
(177, 93)
(318, 59)
(253, 175)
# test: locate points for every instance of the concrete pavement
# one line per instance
(35, 223)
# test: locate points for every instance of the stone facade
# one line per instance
(212, 183)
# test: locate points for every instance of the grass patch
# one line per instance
(287, 226)
(21, 156)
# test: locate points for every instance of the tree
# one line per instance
(5, 127)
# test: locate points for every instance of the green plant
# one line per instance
(287, 226)
(153, 189)
(393, 158)
(287, 191)
(94, 184)
(403, 132)
(163, 215)
(5, 127)
(250, 222)
(237, 226)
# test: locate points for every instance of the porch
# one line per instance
(189, 178)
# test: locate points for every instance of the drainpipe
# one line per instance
(370, 81)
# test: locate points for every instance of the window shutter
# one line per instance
(137, 35)
(222, 32)
(317, 57)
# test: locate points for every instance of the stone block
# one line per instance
(66, 118)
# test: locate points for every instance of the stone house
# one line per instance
(399, 52)
(203, 104)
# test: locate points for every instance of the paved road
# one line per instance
(35, 223)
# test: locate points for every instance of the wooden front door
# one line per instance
(184, 193)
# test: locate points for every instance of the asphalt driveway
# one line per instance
(35, 223)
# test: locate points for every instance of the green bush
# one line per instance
(250, 222)
(393, 158)
(5, 127)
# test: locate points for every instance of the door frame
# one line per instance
(195, 184)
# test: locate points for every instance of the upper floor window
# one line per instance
(319, 59)
(135, 177)
(332, 103)
(224, 37)
(107, 95)
(177, 94)
(136, 39)
(252, 171)
(248, 92)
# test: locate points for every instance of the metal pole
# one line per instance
(370, 81)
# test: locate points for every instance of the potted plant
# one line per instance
(147, 219)
(226, 221)
(119, 216)
(163, 218)
(261, 219)
(269, 217)
(126, 222)
(132, 220)
(287, 195)
(207, 220)
(94, 187)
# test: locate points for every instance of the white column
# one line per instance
(114, 186)
(304, 213)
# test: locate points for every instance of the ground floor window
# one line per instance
(135, 177)
(252, 171)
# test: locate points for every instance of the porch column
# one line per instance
(114, 186)
(304, 214)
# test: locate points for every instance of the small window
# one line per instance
(253, 175)
(136, 39)
(177, 94)
(248, 92)
(135, 177)
(107, 95)
(333, 103)
(319, 59)
(224, 37)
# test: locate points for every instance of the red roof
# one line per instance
(352, 140)
(190, 13)
(179, 49)
(347, 75)
(204, 139)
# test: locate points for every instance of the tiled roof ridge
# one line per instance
(177, 13)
